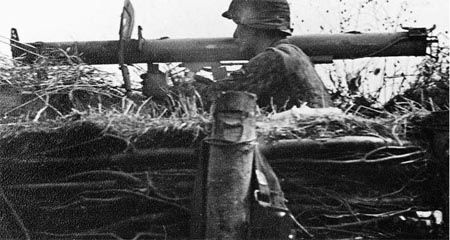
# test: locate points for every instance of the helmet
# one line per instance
(261, 14)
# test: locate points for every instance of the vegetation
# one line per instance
(66, 121)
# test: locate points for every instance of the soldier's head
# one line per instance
(259, 21)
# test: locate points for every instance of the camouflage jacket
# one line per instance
(282, 75)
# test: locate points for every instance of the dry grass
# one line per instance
(93, 98)
(333, 201)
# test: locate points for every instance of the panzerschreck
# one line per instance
(322, 48)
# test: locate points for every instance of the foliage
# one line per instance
(431, 86)
(367, 84)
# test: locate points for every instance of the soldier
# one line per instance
(280, 73)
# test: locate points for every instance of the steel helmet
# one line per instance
(261, 14)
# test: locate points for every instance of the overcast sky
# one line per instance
(70, 20)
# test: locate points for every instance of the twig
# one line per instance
(83, 200)
(354, 224)
(21, 105)
(138, 195)
(386, 214)
(299, 225)
(116, 175)
(16, 41)
(23, 49)
(344, 202)
(69, 60)
(38, 114)
(373, 152)
(63, 186)
(393, 193)
(392, 159)
(77, 235)
(396, 157)
(142, 106)
(151, 235)
(154, 190)
(49, 105)
(14, 214)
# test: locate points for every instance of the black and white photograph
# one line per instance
(224, 119)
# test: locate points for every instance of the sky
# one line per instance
(81, 20)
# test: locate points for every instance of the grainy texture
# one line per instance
(230, 167)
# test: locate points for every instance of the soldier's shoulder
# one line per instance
(288, 50)
(268, 54)
(265, 60)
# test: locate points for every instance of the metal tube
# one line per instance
(320, 47)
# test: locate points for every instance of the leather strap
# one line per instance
(269, 193)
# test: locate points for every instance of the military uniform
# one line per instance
(282, 75)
